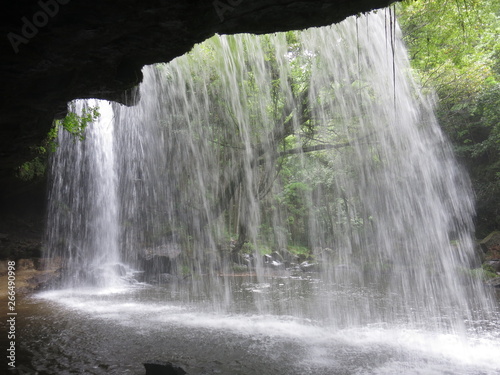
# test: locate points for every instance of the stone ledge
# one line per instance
(54, 51)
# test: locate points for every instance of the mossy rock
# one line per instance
(492, 239)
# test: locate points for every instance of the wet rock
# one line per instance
(248, 260)
(138, 276)
(155, 265)
(479, 253)
(170, 249)
(32, 274)
(239, 268)
(495, 283)
(327, 254)
(163, 368)
(269, 261)
(493, 239)
(288, 258)
(277, 257)
(495, 264)
(164, 278)
(477, 257)
(92, 276)
(25, 264)
(309, 266)
(160, 259)
(42, 264)
(44, 280)
(119, 269)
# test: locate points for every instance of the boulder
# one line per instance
(269, 261)
(248, 260)
(25, 264)
(493, 239)
(119, 269)
(160, 259)
(288, 258)
(309, 266)
(277, 256)
(155, 265)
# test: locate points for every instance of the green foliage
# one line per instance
(294, 196)
(276, 144)
(261, 248)
(452, 41)
(480, 273)
(489, 270)
(454, 48)
(239, 268)
(185, 270)
(32, 170)
(73, 123)
(299, 250)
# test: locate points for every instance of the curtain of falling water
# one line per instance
(204, 156)
(83, 209)
(411, 203)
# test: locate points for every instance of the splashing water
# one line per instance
(317, 139)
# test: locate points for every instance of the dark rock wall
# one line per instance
(53, 51)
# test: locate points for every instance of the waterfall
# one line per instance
(83, 221)
(253, 145)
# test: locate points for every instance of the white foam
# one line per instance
(415, 347)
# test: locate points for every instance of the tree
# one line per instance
(268, 160)
(455, 50)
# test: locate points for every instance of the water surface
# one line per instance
(114, 331)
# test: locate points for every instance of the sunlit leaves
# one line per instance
(452, 41)
(455, 49)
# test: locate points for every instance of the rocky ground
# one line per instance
(30, 275)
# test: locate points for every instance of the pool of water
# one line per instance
(114, 331)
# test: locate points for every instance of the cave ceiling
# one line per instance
(54, 51)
